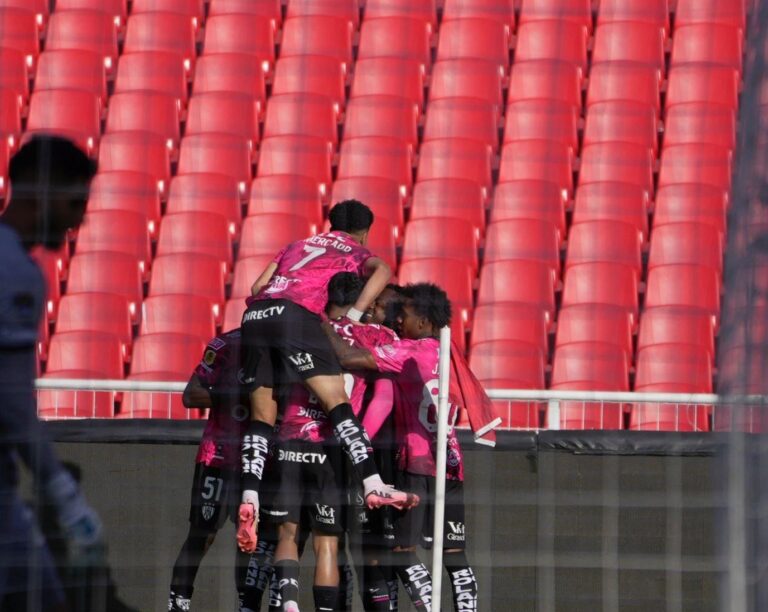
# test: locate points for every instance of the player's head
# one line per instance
(343, 291)
(426, 309)
(386, 307)
(50, 178)
(352, 217)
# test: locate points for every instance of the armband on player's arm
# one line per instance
(350, 357)
(264, 278)
(196, 395)
(378, 273)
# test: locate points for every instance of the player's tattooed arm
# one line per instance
(195, 394)
(264, 278)
(350, 357)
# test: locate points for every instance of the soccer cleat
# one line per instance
(389, 496)
(246, 528)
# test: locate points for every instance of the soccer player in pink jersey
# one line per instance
(414, 363)
(283, 344)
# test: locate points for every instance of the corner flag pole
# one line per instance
(443, 409)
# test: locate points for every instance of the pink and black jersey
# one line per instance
(219, 369)
(415, 364)
(304, 418)
(306, 267)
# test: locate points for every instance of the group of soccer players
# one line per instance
(329, 363)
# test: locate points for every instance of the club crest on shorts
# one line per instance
(207, 511)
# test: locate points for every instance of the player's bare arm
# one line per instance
(350, 357)
(195, 394)
(263, 279)
(378, 273)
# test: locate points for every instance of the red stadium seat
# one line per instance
(84, 31)
(317, 35)
(225, 113)
(193, 9)
(691, 203)
(382, 241)
(424, 10)
(4, 158)
(210, 193)
(136, 152)
(630, 122)
(52, 267)
(703, 83)
(132, 191)
(147, 405)
(400, 37)
(14, 74)
(164, 32)
(292, 154)
(218, 153)
(389, 76)
(465, 118)
(528, 282)
(546, 80)
(624, 82)
(595, 323)
(613, 201)
(233, 314)
(198, 233)
(292, 194)
(117, 9)
(552, 40)
(267, 233)
(510, 365)
(467, 78)
(503, 11)
(97, 312)
(605, 241)
(526, 239)
(686, 243)
(425, 239)
(234, 73)
(578, 12)
(450, 199)
(524, 199)
(96, 352)
(189, 274)
(381, 115)
(642, 43)
(455, 158)
(654, 12)
(347, 9)
(507, 321)
(156, 113)
(247, 270)
(694, 287)
(602, 283)
(617, 161)
(377, 156)
(266, 8)
(10, 118)
(41, 8)
(454, 276)
(182, 314)
(589, 366)
(152, 71)
(702, 164)
(672, 368)
(173, 354)
(302, 115)
(383, 196)
(708, 43)
(43, 337)
(538, 160)
(311, 74)
(75, 114)
(541, 120)
(700, 123)
(475, 39)
(688, 12)
(673, 325)
(19, 31)
(116, 231)
(72, 69)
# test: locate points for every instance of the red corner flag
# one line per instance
(466, 391)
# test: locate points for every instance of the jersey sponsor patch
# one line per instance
(217, 343)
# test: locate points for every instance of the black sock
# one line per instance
(415, 578)
(254, 573)
(350, 433)
(179, 598)
(254, 453)
(325, 598)
(463, 583)
(287, 575)
(346, 583)
(374, 590)
(187, 564)
(275, 602)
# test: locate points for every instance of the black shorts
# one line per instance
(415, 526)
(215, 495)
(303, 484)
(283, 343)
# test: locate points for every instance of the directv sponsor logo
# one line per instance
(264, 313)
(297, 457)
(312, 413)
